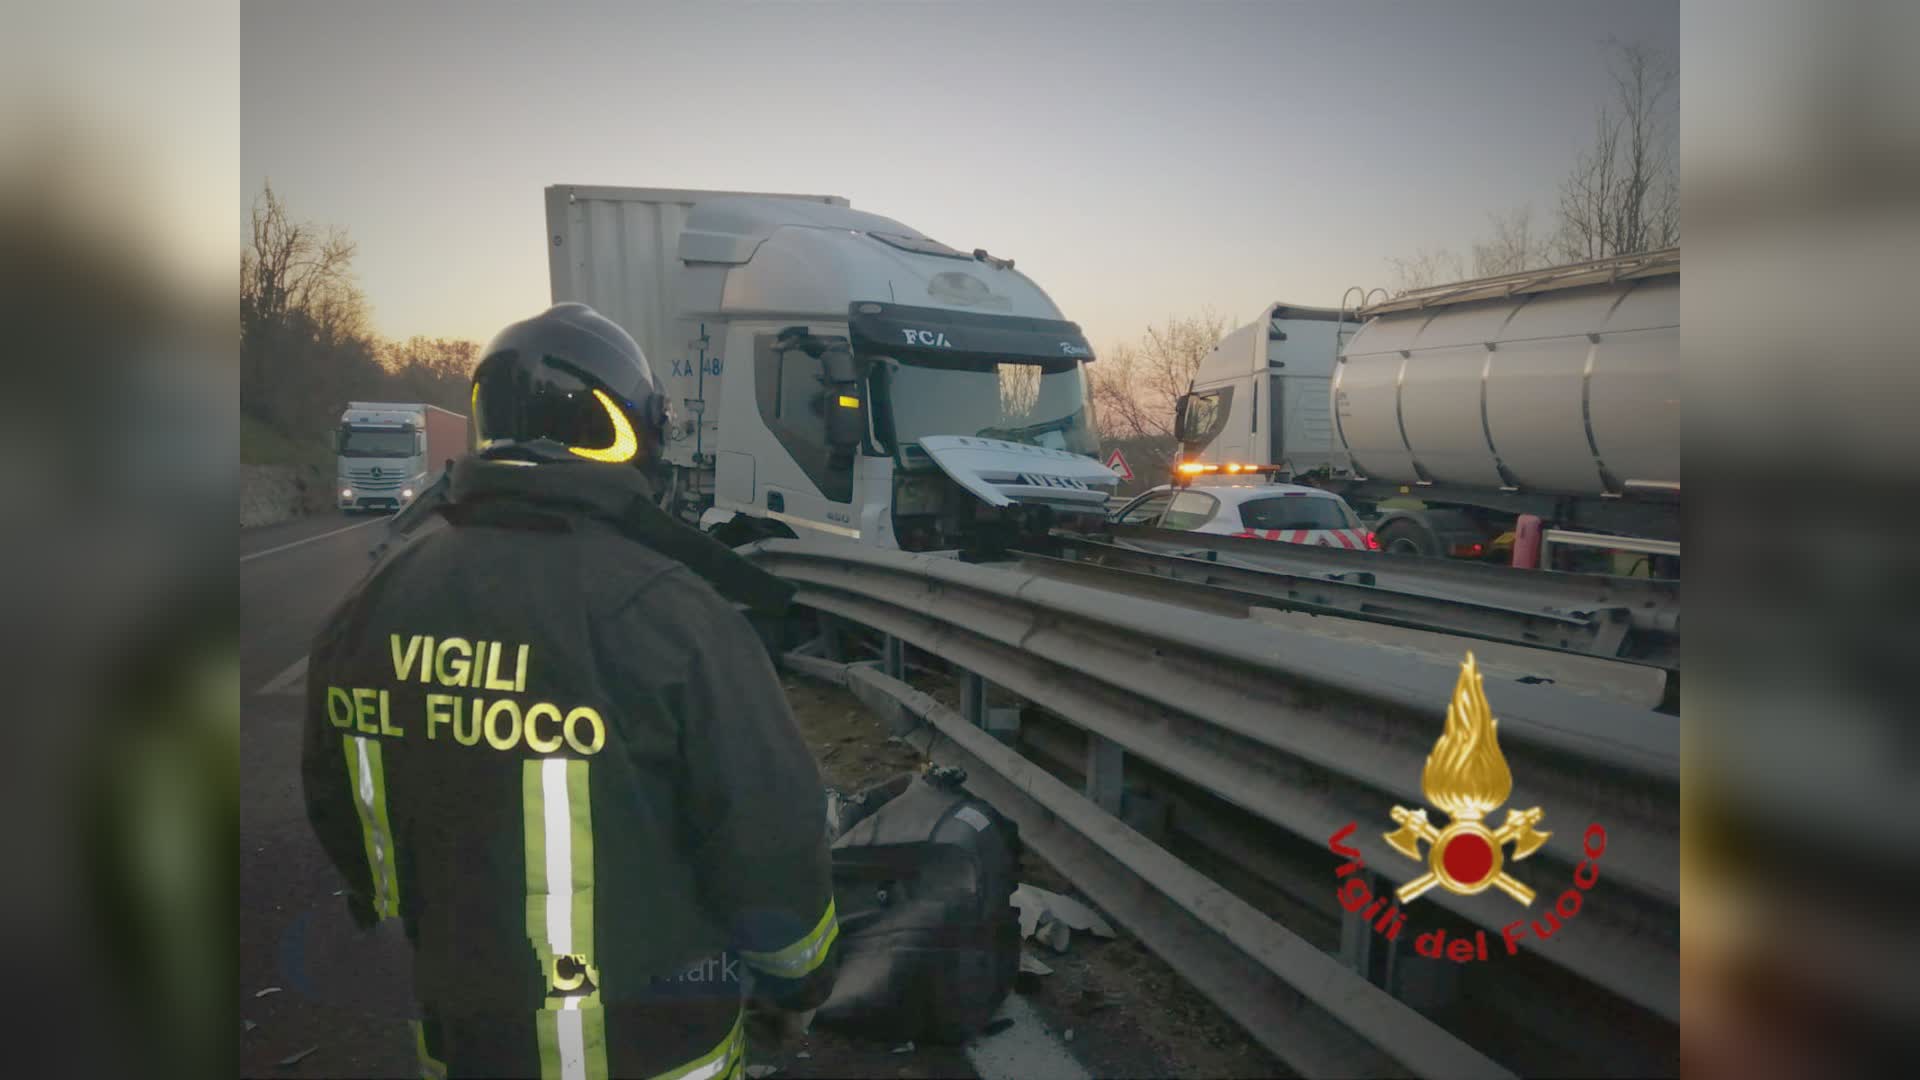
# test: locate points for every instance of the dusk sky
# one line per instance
(1139, 161)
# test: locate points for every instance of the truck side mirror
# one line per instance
(846, 421)
(1180, 432)
(846, 408)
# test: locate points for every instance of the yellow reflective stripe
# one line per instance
(802, 956)
(719, 1062)
(557, 830)
(534, 827)
(573, 1041)
(367, 779)
(624, 444)
(431, 1068)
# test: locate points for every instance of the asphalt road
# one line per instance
(340, 991)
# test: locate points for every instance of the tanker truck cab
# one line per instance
(1260, 396)
(872, 385)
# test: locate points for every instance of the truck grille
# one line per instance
(364, 480)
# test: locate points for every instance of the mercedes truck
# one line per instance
(835, 373)
(389, 452)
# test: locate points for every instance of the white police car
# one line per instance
(1290, 513)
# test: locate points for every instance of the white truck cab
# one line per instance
(834, 372)
(382, 452)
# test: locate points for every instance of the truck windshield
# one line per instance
(1041, 402)
(356, 442)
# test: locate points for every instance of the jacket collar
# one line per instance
(548, 496)
(591, 488)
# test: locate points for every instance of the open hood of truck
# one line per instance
(1003, 473)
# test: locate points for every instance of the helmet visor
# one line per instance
(520, 397)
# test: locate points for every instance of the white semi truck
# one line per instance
(834, 372)
(1447, 414)
(389, 452)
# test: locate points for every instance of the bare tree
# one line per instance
(305, 343)
(1019, 390)
(1426, 268)
(1623, 193)
(292, 266)
(1136, 387)
(1512, 245)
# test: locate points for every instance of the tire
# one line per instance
(1405, 537)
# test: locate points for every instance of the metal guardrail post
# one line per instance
(833, 642)
(1106, 770)
(1002, 722)
(973, 699)
(1356, 935)
(894, 658)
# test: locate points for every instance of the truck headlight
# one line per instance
(346, 493)
(406, 493)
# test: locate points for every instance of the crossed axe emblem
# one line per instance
(1466, 856)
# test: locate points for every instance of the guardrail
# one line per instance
(1302, 732)
(1603, 633)
(1646, 611)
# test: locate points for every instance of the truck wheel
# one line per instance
(1407, 538)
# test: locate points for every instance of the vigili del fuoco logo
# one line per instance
(1466, 778)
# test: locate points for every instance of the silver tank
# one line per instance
(1562, 381)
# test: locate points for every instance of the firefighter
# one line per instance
(543, 738)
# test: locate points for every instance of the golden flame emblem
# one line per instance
(1467, 778)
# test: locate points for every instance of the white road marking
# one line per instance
(288, 681)
(311, 539)
(1025, 1051)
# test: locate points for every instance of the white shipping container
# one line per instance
(622, 251)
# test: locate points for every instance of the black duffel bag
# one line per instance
(923, 875)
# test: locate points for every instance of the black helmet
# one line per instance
(567, 384)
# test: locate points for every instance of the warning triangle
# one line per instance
(1118, 463)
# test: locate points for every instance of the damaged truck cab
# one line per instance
(833, 372)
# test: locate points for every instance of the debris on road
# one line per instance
(904, 1048)
(268, 990)
(247, 1025)
(1030, 965)
(1051, 918)
(803, 1055)
(1056, 934)
(297, 1057)
(1031, 906)
(761, 1072)
(997, 1026)
(1064, 909)
(1069, 1035)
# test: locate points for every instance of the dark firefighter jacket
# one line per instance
(565, 762)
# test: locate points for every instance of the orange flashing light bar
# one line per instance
(1197, 468)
